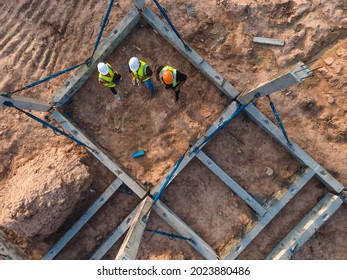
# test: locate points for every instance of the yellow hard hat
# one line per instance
(167, 77)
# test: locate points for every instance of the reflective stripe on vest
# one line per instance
(107, 80)
(140, 74)
(174, 73)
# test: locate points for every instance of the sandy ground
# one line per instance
(41, 37)
(159, 126)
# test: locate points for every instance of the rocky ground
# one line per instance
(46, 182)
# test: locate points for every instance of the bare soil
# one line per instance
(38, 38)
(160, 126)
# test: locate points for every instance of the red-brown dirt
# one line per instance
(38, 38)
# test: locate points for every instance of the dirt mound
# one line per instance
(43, 193)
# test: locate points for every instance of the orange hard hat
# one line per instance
(167, 77)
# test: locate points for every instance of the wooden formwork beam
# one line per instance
(245, 196)
(118, 34)
(323, 175)
(303, 231)
(102, 199)
(166, 32)
(273, 208)
(132, 241)
(183, 229)
(101, 155)
(115, 235)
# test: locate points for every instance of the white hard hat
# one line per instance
(134, 63)
(103, 69)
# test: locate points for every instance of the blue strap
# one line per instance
(170, 235)
(220, 127)
(163, 12)
(49, 77)
(46, 124)
(278, 119)
(168, 178)
(102, 27)
(224, 124)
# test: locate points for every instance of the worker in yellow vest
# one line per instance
(141, 72)
(172, 78)
(109, 78)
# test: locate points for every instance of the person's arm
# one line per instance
(180, 78)
(158, 72)
(149, 71)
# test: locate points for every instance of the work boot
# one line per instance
(117, 96)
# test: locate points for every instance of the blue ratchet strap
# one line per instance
(48, 78)
(46, 124)
(278, 119)
(163, 12)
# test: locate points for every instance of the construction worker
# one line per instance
(141, 72)
(109, 77)
(172, 78)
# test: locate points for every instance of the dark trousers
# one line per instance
(116, 80)
(177, 91)
(113, 90)
(177, 94)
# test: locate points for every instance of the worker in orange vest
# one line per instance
(172, 78)
(109, 78)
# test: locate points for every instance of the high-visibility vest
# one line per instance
(174, 73)
(108, 80)
(140, 74)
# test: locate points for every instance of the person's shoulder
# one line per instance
(159, 68)
(181, 75)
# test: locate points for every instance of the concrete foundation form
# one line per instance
(306, 228)
(83, 220)
(273, 207)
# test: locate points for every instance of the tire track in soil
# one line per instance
(10, 34)
(13, 45)
(15, 41)
(27, 43)
(5, 14)
(33, 7)
(38, 14)
(51, 55)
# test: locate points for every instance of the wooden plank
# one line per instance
(132, 241)
(246, 197)
(273, 208)
(268, 41)
(24, 103)
(293, 77)
(306, 228)
(101, 155)
(102, 199)
(165, 31)
(115, 235)
(324, 176)
(184, 230)
(10, 250)
(105, 48)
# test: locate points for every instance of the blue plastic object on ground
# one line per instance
(138, 154)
